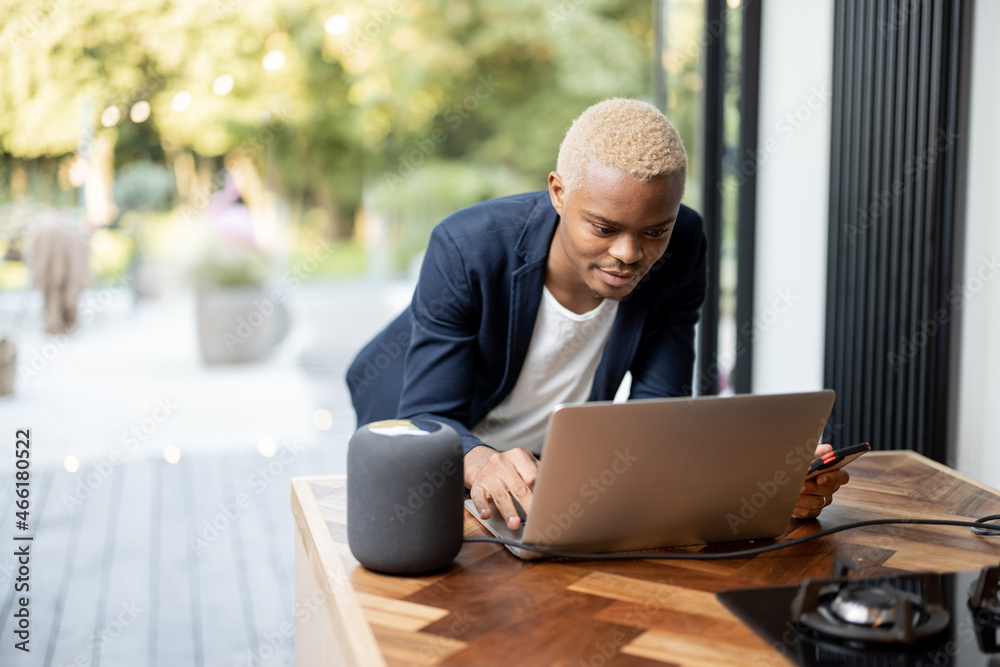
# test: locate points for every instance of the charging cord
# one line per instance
(979, 527)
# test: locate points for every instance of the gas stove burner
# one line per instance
(873, 606)
(872, 611)
(984, 594)
(807, 626)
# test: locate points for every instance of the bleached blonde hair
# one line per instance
(630, 135)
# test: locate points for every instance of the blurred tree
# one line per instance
(317, 99)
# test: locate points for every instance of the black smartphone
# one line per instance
(838, 458)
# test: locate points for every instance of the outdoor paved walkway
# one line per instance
(138, 561)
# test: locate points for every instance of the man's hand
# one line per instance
(500, 476)
(818, 492)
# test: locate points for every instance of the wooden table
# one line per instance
(490, 608)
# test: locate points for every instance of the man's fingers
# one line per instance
(822, 449)
(505, 505)
(835, 478)
(480, 499)
(500, 477)
(803, 513)
(526, 468)
(818, 493)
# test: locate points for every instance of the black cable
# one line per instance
(979, 527)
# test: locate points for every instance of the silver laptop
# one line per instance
(655, 473)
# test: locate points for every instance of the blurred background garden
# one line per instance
(187, 186)
(358, 124)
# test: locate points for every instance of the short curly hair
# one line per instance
(630, 135)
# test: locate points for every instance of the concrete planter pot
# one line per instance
(238, 324)
(8, 366)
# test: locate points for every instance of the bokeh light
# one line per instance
(140, 111)
(322, 419)
(181, 101)
(337, 24)
(71, 463)
(111, 116)
(223, 84)
(274, 60)
(267, 446)
(172, 453)
(78, 172)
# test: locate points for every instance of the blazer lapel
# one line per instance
(526, 283)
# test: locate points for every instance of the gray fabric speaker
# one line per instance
(405, 492)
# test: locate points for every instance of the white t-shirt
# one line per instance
(563, 355)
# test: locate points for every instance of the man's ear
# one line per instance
(557, 193)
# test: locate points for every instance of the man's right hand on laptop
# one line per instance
(500, 477)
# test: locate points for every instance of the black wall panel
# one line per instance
(898, 105)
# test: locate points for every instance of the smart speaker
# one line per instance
(404, 495)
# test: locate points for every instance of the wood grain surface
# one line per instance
(489, 608)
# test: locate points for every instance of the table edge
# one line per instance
(940, 467)
(358, 638)
(361, 638)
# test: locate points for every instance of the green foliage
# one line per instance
(417, 89)
(223, 264)
(414, 203)
(144, 186)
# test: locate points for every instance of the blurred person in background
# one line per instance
(59, 258)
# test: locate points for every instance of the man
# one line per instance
(529, 301)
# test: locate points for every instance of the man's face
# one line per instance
(612, 230)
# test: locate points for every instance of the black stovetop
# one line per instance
(971, 638)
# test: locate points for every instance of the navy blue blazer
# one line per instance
(456, 352)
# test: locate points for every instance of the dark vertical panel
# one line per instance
(884, 137)
(929, 192)
(866, 102)
(951, 207)
(898, 96)
(902, 417)
(711, 205)
(853, 144)
(746, 227)
(835, 236)
(889, 437)
(873, 323)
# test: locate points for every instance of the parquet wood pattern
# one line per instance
(491, 608)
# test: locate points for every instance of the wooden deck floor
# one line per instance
(162, 565)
